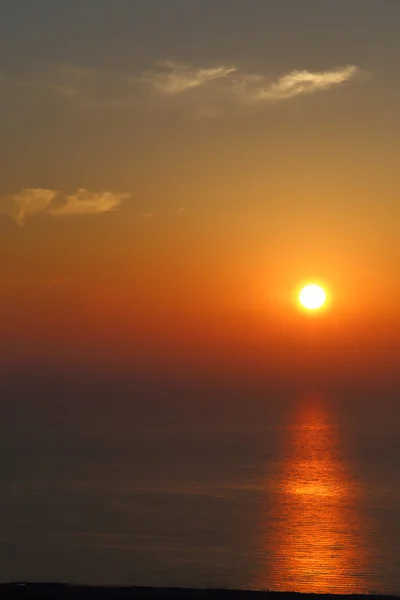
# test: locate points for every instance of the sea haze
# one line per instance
(180, 485)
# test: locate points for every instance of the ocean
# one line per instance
(303, 495)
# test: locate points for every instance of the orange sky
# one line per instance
(185, 294)
(163, 198)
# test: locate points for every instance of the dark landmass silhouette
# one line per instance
(50, 591)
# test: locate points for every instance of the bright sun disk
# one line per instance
(312, 297)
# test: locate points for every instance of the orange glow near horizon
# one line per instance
(316, 547)
(179, 296)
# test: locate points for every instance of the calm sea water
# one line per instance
(305, 497)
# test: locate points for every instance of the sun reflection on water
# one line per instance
(312, 530)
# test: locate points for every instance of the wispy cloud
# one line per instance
(174, 78)
(30, 202)
(85, 202)
(205, 91)
(294, 84)
(70, 81)
(34, 201)
(229, 86)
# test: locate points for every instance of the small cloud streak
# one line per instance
(85, 202)
(229, 84)
(205, 92)
(300, 82)
(209, 93)
(35, 201)
(176, 78)
(30, 202)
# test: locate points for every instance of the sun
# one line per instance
(312, 297)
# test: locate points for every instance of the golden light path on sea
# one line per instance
(312, 529)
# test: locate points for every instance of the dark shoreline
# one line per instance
(55, 590)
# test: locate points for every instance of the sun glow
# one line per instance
(312, 297)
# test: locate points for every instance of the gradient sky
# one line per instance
(173, 170)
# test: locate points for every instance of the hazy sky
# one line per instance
(173, 170)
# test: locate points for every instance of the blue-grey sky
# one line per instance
(124, 34)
